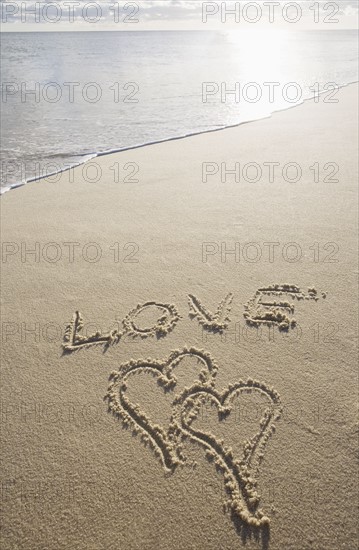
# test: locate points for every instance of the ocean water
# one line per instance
(69, 96)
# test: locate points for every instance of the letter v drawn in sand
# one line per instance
(215, 322)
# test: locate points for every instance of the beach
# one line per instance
(124, 241)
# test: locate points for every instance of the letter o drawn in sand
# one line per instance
(167, 318)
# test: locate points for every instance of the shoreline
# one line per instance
(17, 185)
(106, 286)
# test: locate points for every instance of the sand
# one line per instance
(254, 442)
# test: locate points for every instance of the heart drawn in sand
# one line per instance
(239, 473)
(164, 441)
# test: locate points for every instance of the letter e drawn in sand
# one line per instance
(263, 310)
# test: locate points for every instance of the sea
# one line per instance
(67, 97)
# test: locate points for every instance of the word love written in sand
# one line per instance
(267, 307)
(239, 472)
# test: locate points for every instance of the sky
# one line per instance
(139, 15)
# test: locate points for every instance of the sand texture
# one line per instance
(175, 372)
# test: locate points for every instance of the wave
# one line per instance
(89, 156)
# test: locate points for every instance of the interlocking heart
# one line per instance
(239, 473)
(165, 442)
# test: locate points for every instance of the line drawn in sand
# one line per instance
(215, 322)
(239, 473)
(164, 442)
(166, 321)
(263, 310)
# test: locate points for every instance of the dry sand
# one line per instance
(72, 476)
